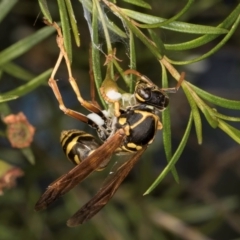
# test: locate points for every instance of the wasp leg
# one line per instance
(98, 123)
(63, 54)
(66, 110)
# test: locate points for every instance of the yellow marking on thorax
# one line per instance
(122, 120)
(127, 130)
(145, 115)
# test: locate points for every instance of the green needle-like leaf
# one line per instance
(28, 153)
(224, 117)
(223, 102)
(166, 119)
(174, 26)
(205, 38)
(195, 113)
(140, 3)
(6, 6)
(229, 130)
(73, 22)
(118, 12)
(214, 49)
(211, 118)
(132, 65)
(28, 87)
(174, 159)
(5, 110)
(65, 28)
(157, 41)
(95, 54)
(24, 45)
(14, 70)
(7, 98)
(44, 8)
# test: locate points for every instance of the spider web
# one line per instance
(114, 37)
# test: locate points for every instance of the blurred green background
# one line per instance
(204, 205)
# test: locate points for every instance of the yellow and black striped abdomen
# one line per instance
(77, 145)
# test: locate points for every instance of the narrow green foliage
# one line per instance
(212, 119)
(132, 65)
(230, 131)
(214, 49)
(26, 88)
(95, 53)
(24, 45)
(7, 98)
(219, 101)
(140, 3)
(73, 22)
(173, 26)
(28, 153)
(166, 120)
(6, 6)
(175, 157)
(65, 28)
(197, 42)
(45, 11)
(155, 38)
(16, 71)
(225, 117)
(155, 51)
(195, 113)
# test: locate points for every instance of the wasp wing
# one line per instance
(105, 193)
(81, 171)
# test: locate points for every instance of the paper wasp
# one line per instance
(129, 133)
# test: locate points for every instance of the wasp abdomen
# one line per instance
(78, 145)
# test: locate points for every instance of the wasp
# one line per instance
(128, 133)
